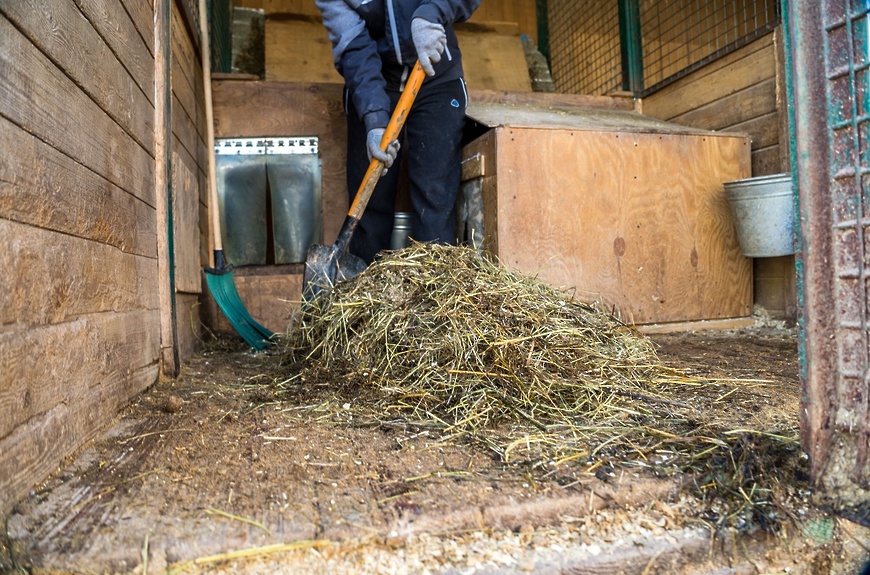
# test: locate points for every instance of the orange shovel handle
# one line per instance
(394, 128)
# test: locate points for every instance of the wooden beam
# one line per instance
(163, 191)
(756, 100)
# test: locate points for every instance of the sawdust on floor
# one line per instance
(200, 469)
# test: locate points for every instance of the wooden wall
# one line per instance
(297, 47)
(523, 12)
(82, 319)
(742, 92)
(737, 93)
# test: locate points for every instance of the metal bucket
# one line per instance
(403, 228)
(763, 210)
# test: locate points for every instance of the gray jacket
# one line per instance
(373, 49)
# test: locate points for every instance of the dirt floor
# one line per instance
(219, 472)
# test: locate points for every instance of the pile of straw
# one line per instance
(445, 338)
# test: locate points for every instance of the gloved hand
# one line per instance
(430, 41)
(373, 146)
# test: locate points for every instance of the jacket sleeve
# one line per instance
(356, 58)
(446, 11)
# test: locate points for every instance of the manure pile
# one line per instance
(444, 339)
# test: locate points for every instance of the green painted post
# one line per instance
(543, 29)
(631, 46)
(793, 161)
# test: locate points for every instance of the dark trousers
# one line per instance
(431, 147)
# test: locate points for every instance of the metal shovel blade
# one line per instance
(325, 266)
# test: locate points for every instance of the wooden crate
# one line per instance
(622, 208)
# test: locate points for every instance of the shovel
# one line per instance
(326, 265)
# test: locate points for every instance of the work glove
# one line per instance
(430, 41)
(373, 145)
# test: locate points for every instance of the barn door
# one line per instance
(828, 44)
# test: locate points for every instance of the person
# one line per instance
(375, 45)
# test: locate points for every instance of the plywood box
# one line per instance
(622, 208)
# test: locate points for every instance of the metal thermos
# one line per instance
(403, 228)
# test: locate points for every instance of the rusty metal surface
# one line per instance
(830, 51)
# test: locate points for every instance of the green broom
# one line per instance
(220, 277)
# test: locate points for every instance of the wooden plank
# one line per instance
(760, 44)
(774, 282)
(187, 73)
(551, 99)
(521, 12)
(574, 118)
(51, 277)
(186, 223)
(782, 99)
(66, 36)
(247, 109)
(298, 49)
(186, 105)
(190, 324)
(141, 15)
(767, 161)
(307, 7)
(62, 384)
(485, 148)
(682, 326)
(669, 104)
(606, 213)
(271, 299)
(493, 57)
(64, 363)
(45, 102)
(755, 101)
(185, 131)
(42, 187)
(473, 167)
(127, 26)
(163, 192)
(764, 130)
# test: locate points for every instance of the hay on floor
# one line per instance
(447, 339)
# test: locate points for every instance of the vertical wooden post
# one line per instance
(163, 184)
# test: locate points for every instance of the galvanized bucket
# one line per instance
(763, 210)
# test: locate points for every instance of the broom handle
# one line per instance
(209, 130)
(394, 128)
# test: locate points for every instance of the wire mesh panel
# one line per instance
(584, 46)
(221, 22)
(681, 35)
(676, 37)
